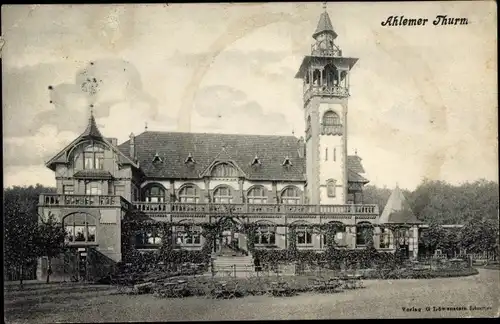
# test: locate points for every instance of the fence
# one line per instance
(14, 274)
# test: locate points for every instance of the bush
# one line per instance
(141, 261)
(333, 258)
(421, 274)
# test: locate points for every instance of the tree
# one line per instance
(21, 227)
(433, 236)
(50, 241)
(480, 235)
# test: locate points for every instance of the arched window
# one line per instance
(330, 118)
(222, 195)
(80, 227)
(93, 188)
(304, 235)
(290, 196)
(331, 124)
(362, 230)
(265, 234)
(331, 75)
(257, 195)
(93, 157)
(188, 194)
(224, 170)
(154, 193)
(149, 237)
(188, 235)
(330, 188)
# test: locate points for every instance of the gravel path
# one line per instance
(380, 299)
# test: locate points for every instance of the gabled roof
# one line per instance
(207, 147)
(397, 210)
(324, 25)
(91, 133)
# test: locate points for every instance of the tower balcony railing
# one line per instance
(331, 91)
(245, 208)
(316, 50)
(53, 200)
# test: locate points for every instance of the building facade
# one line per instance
(189, 179)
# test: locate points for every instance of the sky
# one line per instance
(423, 99)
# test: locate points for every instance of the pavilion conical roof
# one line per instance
(398, 210)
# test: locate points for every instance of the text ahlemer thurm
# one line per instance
(441, 20)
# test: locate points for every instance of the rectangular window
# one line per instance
(257, 200)
(110, 188)
(71, 233)
(304, 237)
(326, 154)
(93, 188)
(91, 234)
(334, 154)
(68, 189)
(88, 161)
(79, 233)
(99, 161)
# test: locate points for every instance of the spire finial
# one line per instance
(146, 126)
(324, 5)
(293, 131)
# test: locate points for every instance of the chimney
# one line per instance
(302, 147)
(132, 146)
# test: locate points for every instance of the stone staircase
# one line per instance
(229, 262)
(239, 266)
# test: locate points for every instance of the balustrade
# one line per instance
(255, 208)
(49, 200)
(334, 91)
(82, 200)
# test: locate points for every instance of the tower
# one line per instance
(325, 73)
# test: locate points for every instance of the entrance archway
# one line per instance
(227, 240)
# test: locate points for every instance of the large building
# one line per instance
(189, 179)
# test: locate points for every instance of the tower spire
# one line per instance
(92, 130)
(324, 24)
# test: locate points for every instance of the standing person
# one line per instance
(256, 262)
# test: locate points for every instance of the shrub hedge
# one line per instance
(420, 274)
(332, 258)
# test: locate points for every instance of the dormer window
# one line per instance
(287, 162)
(189, 159)
(256, 161)
(157, 158)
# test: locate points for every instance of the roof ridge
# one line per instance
(219, 134)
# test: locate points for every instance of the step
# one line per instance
(233, 261)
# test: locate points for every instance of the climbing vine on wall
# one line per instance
(251, 231)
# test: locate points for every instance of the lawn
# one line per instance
(380, 299)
